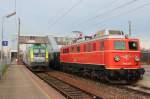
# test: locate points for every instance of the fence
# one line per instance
(145, 57)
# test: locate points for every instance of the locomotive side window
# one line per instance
(94, 46)
(120, 45)
(63, 50)
(66, 50)
(78, 48)
(84, 48)
(72, 49)
(102, 45)
(133, 45)
(88, 47)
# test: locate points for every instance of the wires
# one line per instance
(110, 11)
(110, 4)
(64, 14)
(127, 12)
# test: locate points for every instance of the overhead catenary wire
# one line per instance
(103, 6)
(127, 12)
(64, 14)
(109, 11)
(57, 13)
(15, 9)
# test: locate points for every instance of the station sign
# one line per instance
(4, 43)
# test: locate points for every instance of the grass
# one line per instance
(3, 70)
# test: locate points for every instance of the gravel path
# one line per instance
(103, 90)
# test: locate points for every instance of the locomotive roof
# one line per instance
(93, 39)
(101, 35)
(101, 38)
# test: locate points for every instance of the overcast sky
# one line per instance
(61, 17)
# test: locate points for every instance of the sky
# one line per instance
(61, 17)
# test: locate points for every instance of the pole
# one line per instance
(129, 28)
(2, 39)
(18, 57)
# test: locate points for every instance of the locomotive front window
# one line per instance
(133, 45)
(120, 45)
(42, 51)
(36, 51)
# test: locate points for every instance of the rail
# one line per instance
(69, 91)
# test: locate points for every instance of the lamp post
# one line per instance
(3, 19)
(129, 22)
(2, 39)
(18, 47)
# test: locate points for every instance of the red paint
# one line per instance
(98, 55)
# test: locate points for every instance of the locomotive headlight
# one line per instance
(137, 59)
(117, 58)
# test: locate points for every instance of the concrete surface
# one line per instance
(20, 83)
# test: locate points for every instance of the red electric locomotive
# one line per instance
(109, 55)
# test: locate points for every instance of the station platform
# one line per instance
(20, 83)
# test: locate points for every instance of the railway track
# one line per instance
(69, 91)
(138, 89)
(106, 91)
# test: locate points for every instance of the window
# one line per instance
(102, 45)
(94, 46)
(63, 50)
(133, 45)
(88, 47)
(72, 49)
(78, 48)
(120, 45)
(36, 51)
(42, 51)
(32, 38)
(67, 50)
(114, 32)
(84, 47)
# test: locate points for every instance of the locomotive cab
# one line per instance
(123, 58)
(36, 57)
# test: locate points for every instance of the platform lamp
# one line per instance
(3, 19)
